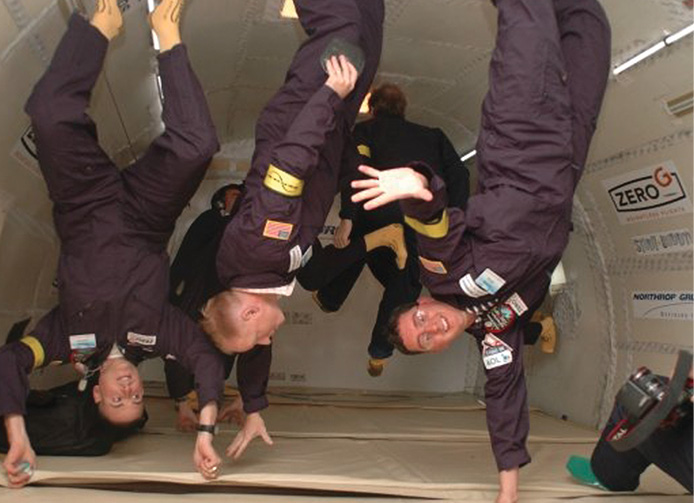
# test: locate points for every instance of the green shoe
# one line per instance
(579, 468)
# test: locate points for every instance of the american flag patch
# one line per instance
(433, 266)
(277, 230)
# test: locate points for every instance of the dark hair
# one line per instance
(119, 431)
(393, 331)
(388, 98)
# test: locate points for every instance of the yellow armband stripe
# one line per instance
(36, 348)
(364, 150)
(282, 182)
(434, 230)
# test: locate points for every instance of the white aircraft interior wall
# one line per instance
(240, 51)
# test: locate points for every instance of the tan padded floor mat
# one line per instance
(373, 450)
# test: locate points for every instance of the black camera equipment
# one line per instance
(650, 402)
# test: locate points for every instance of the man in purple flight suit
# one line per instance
(296, 168)
(486, 265)
(114, 226)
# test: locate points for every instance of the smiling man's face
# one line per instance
(430, 326)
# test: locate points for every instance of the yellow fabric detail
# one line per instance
(282, 182)
(364, 150)
(36, 348)
(434, 230)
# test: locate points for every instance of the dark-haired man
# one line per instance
(490, 263)
(385, 141)
(114, 227)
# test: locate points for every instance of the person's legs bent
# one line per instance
(670, 449)
(617, 471)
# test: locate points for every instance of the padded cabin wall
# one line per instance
(604, 334)
(28, 248)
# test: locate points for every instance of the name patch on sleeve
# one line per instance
(277, 230)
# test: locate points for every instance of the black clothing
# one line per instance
(670, 449)
(389, 141)
(64, 421)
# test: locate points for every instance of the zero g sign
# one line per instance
(648, 194)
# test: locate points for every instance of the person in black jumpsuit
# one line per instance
(295, 172)
(114, 227)
(386, 141)
(486, 265)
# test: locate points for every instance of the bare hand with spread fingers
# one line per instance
(342, 76)
(254, 427)
(390, 185)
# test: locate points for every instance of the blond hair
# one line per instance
(218, 318)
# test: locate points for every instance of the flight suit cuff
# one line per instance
(206, 396)
(516, 459)
(255, 405)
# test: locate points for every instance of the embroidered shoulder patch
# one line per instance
(499, 319)
(277, 230)
(434, 266)
(282, 182)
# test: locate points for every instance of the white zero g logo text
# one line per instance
(648, 192)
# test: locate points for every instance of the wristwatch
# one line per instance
(212, 429)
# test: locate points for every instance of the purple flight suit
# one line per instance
(300, 136)
(114, 225)
(547, 77)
